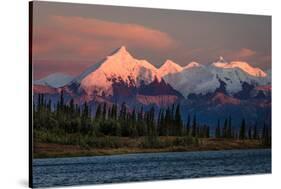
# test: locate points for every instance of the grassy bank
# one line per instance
(125, 145)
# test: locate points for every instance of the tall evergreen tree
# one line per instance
(114, 112)
(255, 132)
(140, 115)
(208, 132)
(98, 112)
(49, 106)
(178, 121)
(250, 133)
(159, 120)
(242, 130)
(194, 127)
(172, 112)
(229, 129)
(188, 125)
(104, 111)
(167, 121)
(160, 127)
(224, 131)
(61, 100)
(218, 130)
(141, 127)
(71, 106)
(266, 135)
(134, 131)
(123, 112)
(123, 117)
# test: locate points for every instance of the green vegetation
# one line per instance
(113, 127)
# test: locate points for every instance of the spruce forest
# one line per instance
(110, 126)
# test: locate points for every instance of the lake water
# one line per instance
(149, 166)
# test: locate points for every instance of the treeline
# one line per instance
(114, 121)
(70, 118)
(244, 132)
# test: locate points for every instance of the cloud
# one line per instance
(79, 37)
(244, 53)
(255, 58)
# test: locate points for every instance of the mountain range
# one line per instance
(122, 78)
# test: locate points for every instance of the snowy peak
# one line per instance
(221, 59)
(169, 64)
(221, 63)
(122, 67)
(244, 66)
(254, 71)
(115, 59)
(192, 65)
(122, 49)
(121, 61)
(54, 80)
(169, 67)
(121, 52)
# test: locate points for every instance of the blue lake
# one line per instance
(148, 166)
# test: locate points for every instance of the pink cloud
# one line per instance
(244, 53)
(78, 37)
(240, 54)
(255, 58)
(132, 33)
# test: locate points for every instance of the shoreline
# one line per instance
(51, 150)
(147, 152)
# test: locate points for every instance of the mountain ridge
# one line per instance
(121, 67)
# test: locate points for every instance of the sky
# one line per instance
(68, 37)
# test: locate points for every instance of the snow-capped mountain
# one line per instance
(198, 80)
(202, 79)
(55, 80)
(257, 72)
(210, 91)
(192, 65)
(123, 77)
(169, 67)
(120, 67)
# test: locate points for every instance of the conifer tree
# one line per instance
(98, 112)
(194, 127)
(123, 112)
(172, 112)
(242, 130)
(250, 133)
(141, 127)
(229, 129)
(167, 121)
(160, 122)
(188, 125)
(178, 121)
(140, 115)
(255, 132)
(104, 112)
(218, 130)
(71, 106)
(266, 135)
(61, 100)
(224, 131)
(49, 106)
(208, 132)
